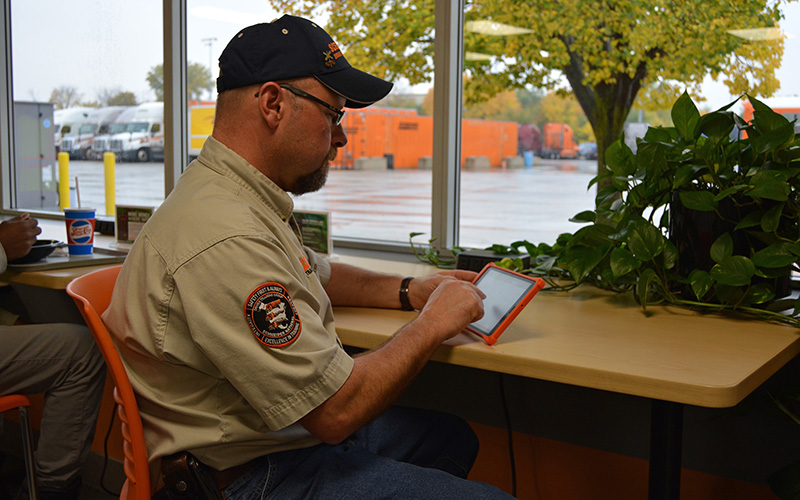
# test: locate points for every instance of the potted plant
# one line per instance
(704, 214)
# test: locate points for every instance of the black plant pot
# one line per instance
(693, 232)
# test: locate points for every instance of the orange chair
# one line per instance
(92, 294)
(22, 403)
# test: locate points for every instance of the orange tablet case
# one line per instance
(514, 308)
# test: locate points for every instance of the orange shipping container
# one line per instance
(405, 137)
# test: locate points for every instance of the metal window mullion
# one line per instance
(6, 112)
(448, 67)
(176, 130)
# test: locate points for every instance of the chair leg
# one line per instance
(27, 451)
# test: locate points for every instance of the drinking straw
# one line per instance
(77, 191)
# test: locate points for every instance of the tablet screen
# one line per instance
(503, 290)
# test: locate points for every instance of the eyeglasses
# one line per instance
(339, 112)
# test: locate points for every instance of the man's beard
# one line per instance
(316, 179)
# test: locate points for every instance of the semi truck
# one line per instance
(559, 141)
(143, 136)
(97, 123)
(101, 142)
(67, 124)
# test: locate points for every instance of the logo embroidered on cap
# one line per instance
(272, 316)
(332, 55)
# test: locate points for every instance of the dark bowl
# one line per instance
(39, 250)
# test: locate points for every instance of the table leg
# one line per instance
(666, 441)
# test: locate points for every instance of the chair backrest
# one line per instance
(92, 294)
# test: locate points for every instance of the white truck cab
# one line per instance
(143, 136)
(97, 123)
(101, 141)
(67, 125)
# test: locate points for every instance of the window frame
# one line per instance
(448, 66)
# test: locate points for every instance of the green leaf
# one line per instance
(717, 124)
(771, 219)
(760, 293)
(580, 260)
(683, 175)
(771, 190)
(734, 271)
(769, 184)
(698, 200)
(701, 282)
(775, 131)
(530, 248)
(620, 159)
(749, 220)
(645, 241)
(645, 280)
(722, 248)
(585, 216)
(733, 189)
(623, 262)
(670, 255)
(544, 265)
(775, 255)
(685, 117)
(660, 134)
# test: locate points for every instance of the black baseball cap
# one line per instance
(293, 47)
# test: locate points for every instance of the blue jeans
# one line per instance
(404, 454)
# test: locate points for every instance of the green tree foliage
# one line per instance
(606, 50)
(198, 81)
(522, 106)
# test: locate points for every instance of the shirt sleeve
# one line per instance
(4, 260)
(320, 265)
(232, 297)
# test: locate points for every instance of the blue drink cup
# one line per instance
(80, 230)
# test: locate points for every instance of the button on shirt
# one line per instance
(204, 379)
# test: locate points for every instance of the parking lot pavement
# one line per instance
(497, 205)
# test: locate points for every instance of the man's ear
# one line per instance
(271, 104)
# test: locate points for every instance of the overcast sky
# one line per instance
(98, 45)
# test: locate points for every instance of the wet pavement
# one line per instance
(497, 205)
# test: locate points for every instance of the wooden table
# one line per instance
(595, 339)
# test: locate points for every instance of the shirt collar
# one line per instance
(227, 162)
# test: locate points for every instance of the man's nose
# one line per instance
(339, 137)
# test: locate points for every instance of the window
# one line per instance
(389, 181)
(80, 69)
(379, 186)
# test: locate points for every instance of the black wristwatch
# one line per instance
(405, 304)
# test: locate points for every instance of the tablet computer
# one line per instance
(507, 293)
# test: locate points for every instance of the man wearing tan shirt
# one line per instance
(224, 319)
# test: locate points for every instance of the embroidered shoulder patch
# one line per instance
(271, 315)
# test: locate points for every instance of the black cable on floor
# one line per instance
(105, 454)
(510, 432)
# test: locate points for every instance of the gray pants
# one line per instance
(62, 361)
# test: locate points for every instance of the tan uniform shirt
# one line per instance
(222, 320)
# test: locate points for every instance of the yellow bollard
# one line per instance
(63, 180)
(110, 162)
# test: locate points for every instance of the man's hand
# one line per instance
(451, 307)
(17, 235)
(420, 289)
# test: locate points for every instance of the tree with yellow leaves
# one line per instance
(606, 51)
